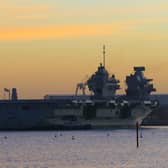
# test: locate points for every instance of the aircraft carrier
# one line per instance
(101, 109)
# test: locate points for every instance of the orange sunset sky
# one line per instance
(49, 46)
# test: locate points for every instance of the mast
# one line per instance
(104, 55)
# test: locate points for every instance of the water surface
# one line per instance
(85, 149)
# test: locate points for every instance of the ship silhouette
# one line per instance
(101, 109)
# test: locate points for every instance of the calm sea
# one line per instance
(85, 149)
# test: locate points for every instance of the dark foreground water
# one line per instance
(85, 149)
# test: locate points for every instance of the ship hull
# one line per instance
(103, 122)
(60, 115)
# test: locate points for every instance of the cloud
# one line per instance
(147, 8)
(125, 27)
(15, 12)
(21, 8)
(104, 9)
(33, 8)
(59, 31)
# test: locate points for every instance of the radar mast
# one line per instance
(104, 55)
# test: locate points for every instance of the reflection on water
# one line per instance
(84, 149)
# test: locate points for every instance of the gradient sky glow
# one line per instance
(49, 46)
